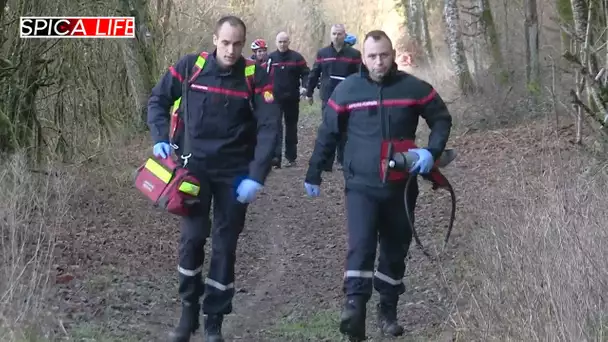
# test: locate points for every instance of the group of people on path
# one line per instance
(234, 122)
(292, 80)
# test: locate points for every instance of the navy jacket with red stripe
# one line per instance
(289, 72)
(233, 130)
(371, 114)
(332, 67)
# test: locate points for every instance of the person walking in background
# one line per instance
(333, 64)
(260, 54)
(289, 72)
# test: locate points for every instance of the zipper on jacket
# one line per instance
(386, 131)
(384, 122)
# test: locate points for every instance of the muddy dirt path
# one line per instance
(123, 255)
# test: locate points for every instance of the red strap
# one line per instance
(250, 85)
(250, 80)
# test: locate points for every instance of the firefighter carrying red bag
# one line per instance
(379, 109)
(167, 182)
(226, 131)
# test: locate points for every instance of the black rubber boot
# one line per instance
(387, 317)
(276, 163)
(352, 320)
(188, 324)
(213, 328)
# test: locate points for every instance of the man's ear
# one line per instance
(215, 40)
(394, 54)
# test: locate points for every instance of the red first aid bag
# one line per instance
(168, 185)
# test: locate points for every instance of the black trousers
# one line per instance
(377, 216)
(290, 114)
(228, 222)
(338, 153)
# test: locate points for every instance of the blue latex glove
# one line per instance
(425, 161)
(246, 191)
(162, 150)
(312, 190)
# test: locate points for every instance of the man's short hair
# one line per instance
(377, 35)
(339, 27)
(234, 21)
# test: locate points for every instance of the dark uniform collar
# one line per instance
(388, 79)
(214, 66)
(344, 47)
(283, 54)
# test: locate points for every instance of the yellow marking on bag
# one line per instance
(158, 170)
(189, 188)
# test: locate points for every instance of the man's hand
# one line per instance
(302, 91)
(247, 190)
(312, 190)
(161, 150)
(310, 100)
(425, 161)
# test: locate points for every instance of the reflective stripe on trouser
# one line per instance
(228, 222)
(372, 217)
(288, 130)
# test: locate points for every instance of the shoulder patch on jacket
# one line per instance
(268, 97)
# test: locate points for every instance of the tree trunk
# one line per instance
(315, 24)
(532, 54)
(605, 83)
(2, 7)
(139, 55)
(414, 28)
(486, 20)
(413, 21)
(586, 63)
(425, 34)
(579, 16)
(506, 21)
(456, 47)
(564, 10)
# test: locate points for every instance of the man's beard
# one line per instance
(378, 76)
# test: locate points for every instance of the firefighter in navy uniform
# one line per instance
(289, 77)
(260, 51)
(232, 125)
(332, 65)
(378, 105)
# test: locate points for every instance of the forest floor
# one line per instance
(122, 253)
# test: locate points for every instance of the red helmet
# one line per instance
(258, 44)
